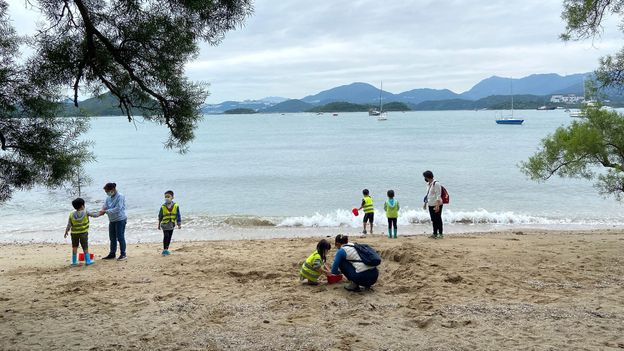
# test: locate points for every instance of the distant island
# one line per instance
(240, 111)
(349, 107)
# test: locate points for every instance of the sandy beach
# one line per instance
(517, 290)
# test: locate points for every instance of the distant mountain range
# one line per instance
(493, 92)
(364, 93)
(535, 84)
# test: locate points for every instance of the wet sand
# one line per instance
(519, 290)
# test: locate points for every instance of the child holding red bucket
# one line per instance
(316, 263)
(369, 211)
(78, 224)
(392, 213)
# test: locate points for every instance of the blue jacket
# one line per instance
(115, 207)
(340, 256)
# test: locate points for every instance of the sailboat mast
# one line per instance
(511, 91)
(380, 102)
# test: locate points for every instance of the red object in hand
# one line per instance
(355, 212)
(334, 278)
(81, 256)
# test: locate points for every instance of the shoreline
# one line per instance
(187, 234)
(500, 290)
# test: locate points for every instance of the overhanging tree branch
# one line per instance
(91, 31)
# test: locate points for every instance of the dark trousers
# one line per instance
(167, 234)
(367, 278)
(392, 223)
(436, 219)
(117, 232)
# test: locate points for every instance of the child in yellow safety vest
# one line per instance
(168, 217)
(316, 263)
(369, 211)
(78, 224)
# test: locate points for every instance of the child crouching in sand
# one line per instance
(316, 263)
(78, 223)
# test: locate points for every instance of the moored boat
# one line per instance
(509, 121)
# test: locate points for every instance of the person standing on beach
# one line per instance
(168, 217)
(78, 225)
(115, 209)
(392, 213)
(433, 201)
(369, 211)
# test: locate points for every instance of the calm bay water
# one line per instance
(246, 174)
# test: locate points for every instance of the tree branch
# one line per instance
(619, 149)
(562, 165)
(81, 66)
(3, 142)
(93, 31)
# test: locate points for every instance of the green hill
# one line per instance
(349, 107)
(293, 105)
(503, 102)
(396, 106)
(494, 102)
(104, 105)
(240, 111)
(340, 107)
(452, 104)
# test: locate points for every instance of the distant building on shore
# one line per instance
(567, 99)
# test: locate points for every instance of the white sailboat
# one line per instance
(383, 116)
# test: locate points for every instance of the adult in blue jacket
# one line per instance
(115, 209)
(348, 261)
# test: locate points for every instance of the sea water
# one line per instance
(283, 175)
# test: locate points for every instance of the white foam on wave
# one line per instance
(483, 216)
(143, 227)
(343, 218)
(338, 218)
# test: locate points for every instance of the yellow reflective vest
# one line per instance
(169, 216)
(368, 205)
(308, 270)
(79, 226)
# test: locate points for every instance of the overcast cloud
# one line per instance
(297, 48)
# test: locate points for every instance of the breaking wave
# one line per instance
(344, 218)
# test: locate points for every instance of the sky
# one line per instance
(297, 48)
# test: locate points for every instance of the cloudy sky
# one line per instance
(297, 48)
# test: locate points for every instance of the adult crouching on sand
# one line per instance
(115, 209)
(348, 261)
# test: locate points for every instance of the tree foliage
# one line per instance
(35, 146)
(583, 150)
(592, 148)
(584, 20)
(136, 49)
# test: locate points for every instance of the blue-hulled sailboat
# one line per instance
(510, 119)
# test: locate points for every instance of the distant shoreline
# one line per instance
(310, 112)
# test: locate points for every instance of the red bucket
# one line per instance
(355, 212)
(81, 256)
(334, 278)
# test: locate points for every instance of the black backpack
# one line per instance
(368, 255)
